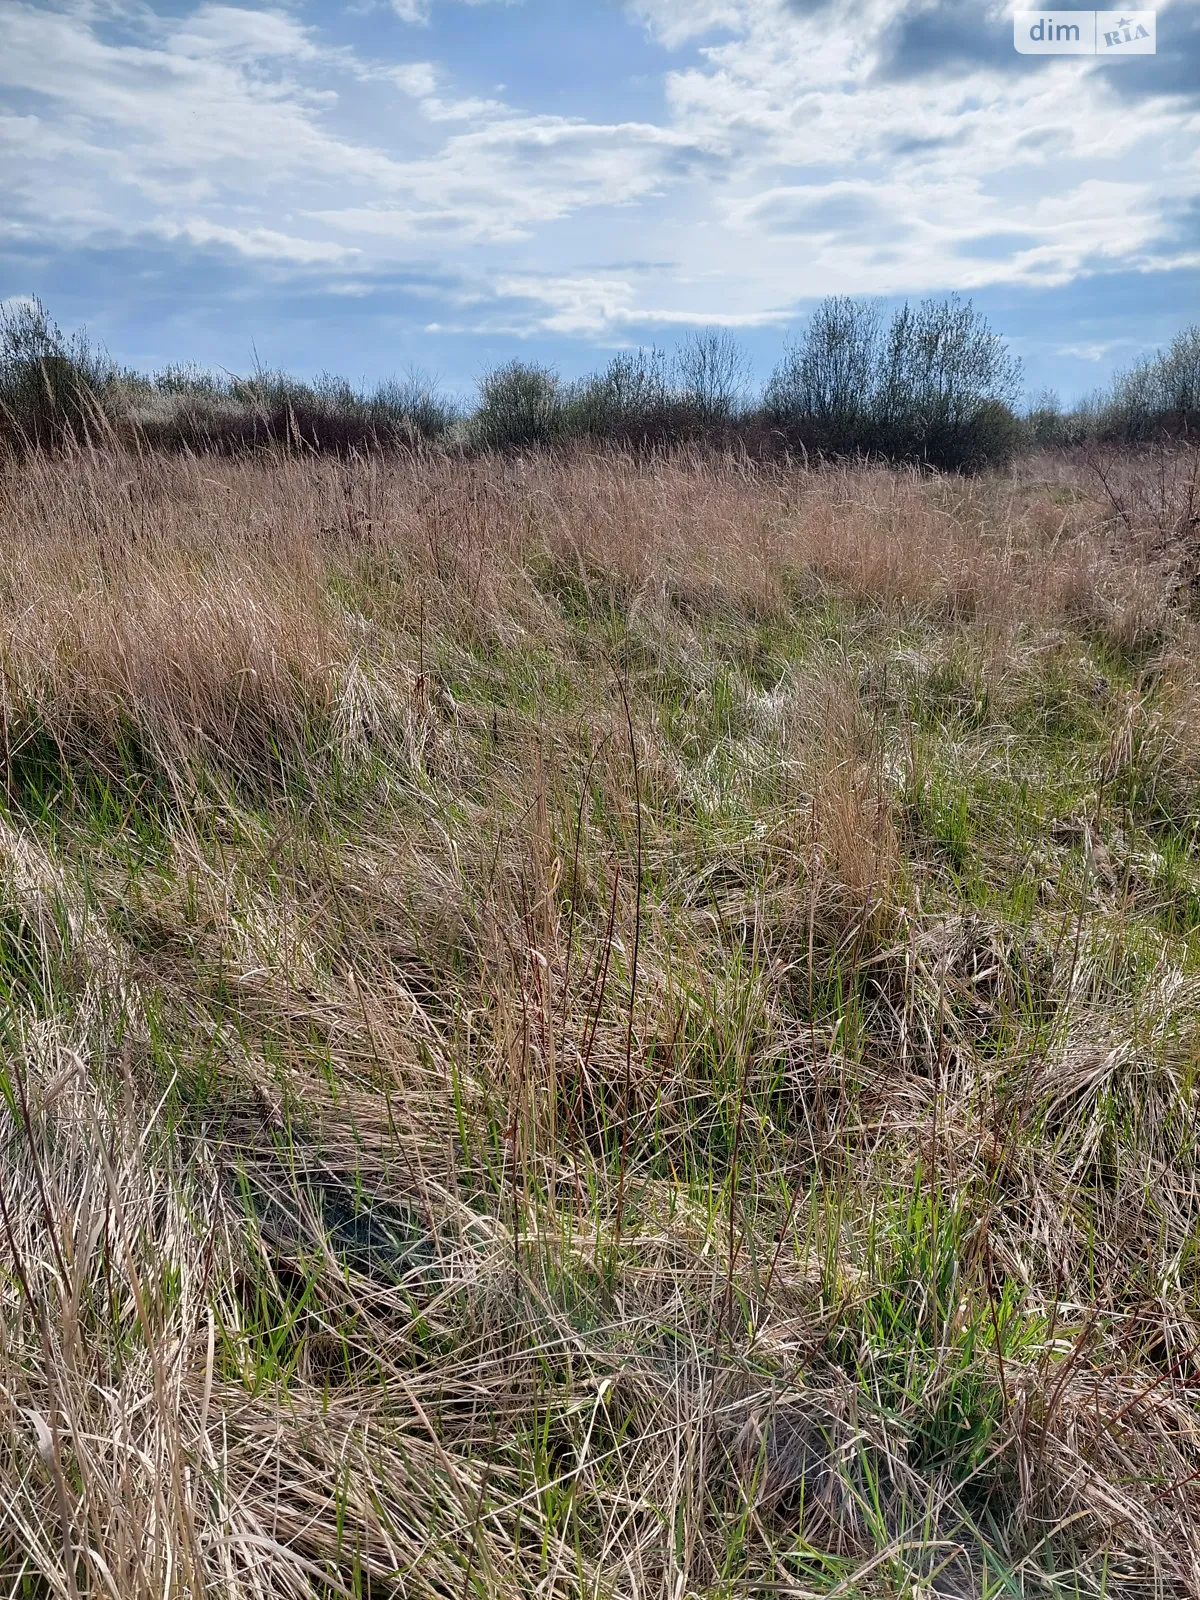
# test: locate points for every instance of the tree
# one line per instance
(713, 375)
(629, 400)
(948, 387)
(827, 379)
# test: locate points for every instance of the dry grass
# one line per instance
(601, 1028)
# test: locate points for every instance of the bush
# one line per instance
(825, 387)
(948, 388)
(630, 402)
(937, 387)
(182, 408)
(51, 389)
(933, 386)
(712, 377)
(54, 391)
(1158, 396)
(644, 399)
(520, 406)
(1046, 424)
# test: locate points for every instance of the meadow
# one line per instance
(598, 1024)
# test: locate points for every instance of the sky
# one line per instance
(388, 185)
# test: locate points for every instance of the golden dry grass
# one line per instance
(595, 1027)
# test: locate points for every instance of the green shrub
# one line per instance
(630, 402)
(948, 388)
(1158, 395)
(936, 387)
(646, 399)
(825, 387)
(51, 389)
(521, 405)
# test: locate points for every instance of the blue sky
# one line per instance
(372, 186)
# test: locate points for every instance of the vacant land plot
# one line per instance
(596, 1028)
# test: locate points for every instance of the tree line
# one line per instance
(931, 385)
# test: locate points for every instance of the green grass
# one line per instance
(698, 1099)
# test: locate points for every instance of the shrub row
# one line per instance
(934, 385)
(1158, 397)
(54, 390)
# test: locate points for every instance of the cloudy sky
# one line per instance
(370, 186)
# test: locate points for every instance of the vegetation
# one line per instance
(641, 400)
(1157, 398)
(937, 386)
(934, 388)
(56, 391)
(597, 1026)
(51, 388)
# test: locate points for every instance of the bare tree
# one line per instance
(713, 374)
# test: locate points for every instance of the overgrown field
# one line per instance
(585, 1027)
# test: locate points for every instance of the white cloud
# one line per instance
(675, 22)
(236, 33)
(889, 186)
(505, 178)
(573, 305)
(783, 165)
(421, 80)
(1091, 352)
(151, 110)
(417, 78)
(596, 307)
(419, 11)
(264, 244)
(237, 110)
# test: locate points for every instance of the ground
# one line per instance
(594, 1027)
